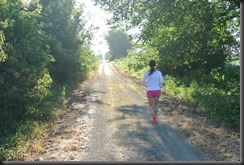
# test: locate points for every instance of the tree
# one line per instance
(66, 34)
(24, 78)
(43, 44)
(189, 35)
(118, 43)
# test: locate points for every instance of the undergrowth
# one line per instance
(22, 135)
(217, 95)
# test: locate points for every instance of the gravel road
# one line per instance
(108, 119)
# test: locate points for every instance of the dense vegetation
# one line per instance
(118, 43)
(196, 45)
(44, 52)
(216, 94)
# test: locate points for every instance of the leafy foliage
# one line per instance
(26, 63)
(189, 35)
(216, 94)
(44, 51)
(118, 43)
(138, 58)
(195, 43)
(66, 33)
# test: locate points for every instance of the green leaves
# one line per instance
(3, 56)
(189, 35)
(66, 35)
(118, 43)
(41, 47)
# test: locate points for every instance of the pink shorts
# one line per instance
(155, 93)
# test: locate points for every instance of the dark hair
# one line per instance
(152, 65)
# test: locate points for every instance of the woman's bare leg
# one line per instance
(151, 102)
(155, 105)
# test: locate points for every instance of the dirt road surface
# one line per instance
(108, 119)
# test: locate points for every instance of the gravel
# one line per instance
(108, 119)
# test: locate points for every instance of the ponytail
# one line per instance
(151, 70)
(152, 65)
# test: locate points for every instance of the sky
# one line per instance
(97, 17)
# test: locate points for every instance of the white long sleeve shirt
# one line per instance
(154, 81)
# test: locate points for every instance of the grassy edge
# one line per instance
(22, 146)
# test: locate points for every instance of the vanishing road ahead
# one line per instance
(107, 119)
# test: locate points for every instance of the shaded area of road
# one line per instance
(122, 129)
(107, 119)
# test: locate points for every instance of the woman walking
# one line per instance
(154, 81)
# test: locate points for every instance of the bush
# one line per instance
(217, 94)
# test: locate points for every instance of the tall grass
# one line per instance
(18, 137)
(217, 95)
(21, 135)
